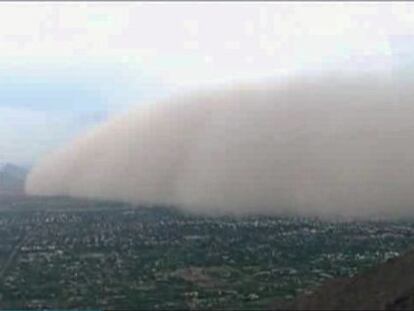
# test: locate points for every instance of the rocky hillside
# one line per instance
(389, 286)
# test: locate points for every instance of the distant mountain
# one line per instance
(12, 178)
(389, 286)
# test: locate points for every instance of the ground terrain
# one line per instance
(61, 252)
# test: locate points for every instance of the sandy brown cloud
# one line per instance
(327, 145)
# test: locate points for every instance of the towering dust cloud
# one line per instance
(332, 145)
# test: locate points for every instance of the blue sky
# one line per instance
(65, 67)
(50, 93)
(77, 87)
(43, 106)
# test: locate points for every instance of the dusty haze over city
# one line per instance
(275, 108)
(195, 155)
(329, 144)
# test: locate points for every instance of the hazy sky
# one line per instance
(66, 66)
